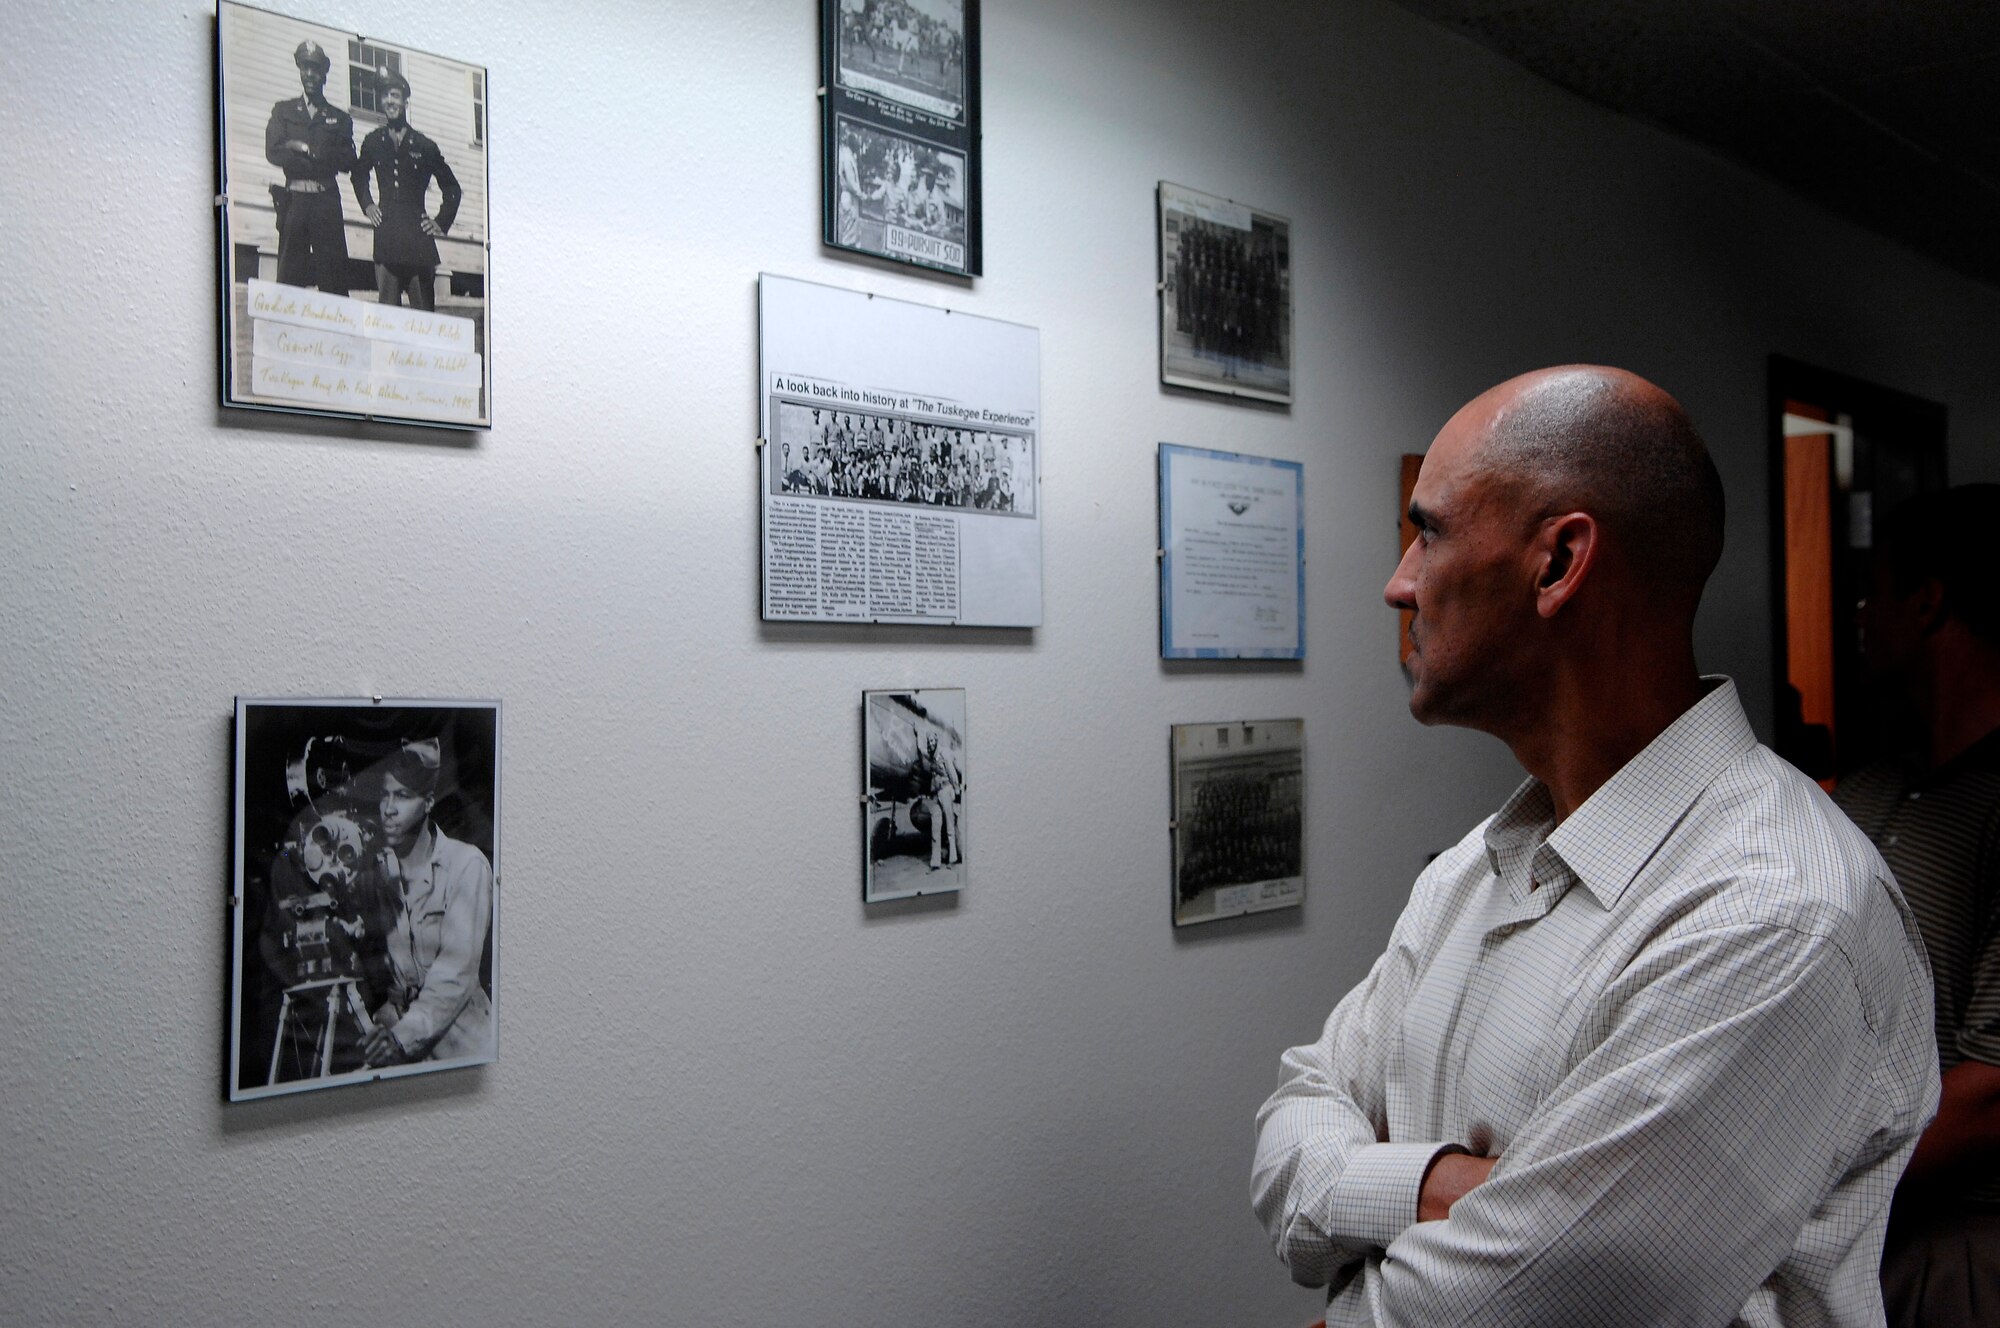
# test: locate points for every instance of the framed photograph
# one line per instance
(913, 801)
(1239, 844)
(351, 180)
(901, 461)
(365, 908)
(1225, 296)
(1232, 555)
(899, 109)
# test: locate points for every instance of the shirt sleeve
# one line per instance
(453, 976)
(1729, 1079)
(1327, 1184)
(340, 145)
(364, 165)
(448, 191)
(277, 133)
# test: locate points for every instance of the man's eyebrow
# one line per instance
(1421, 516)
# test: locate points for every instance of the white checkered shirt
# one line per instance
(1694, 1024)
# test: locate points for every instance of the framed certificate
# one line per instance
(1232, 555)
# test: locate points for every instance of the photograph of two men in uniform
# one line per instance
(353, 167)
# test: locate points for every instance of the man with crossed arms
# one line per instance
(1652, 1044)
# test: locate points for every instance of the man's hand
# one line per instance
(298, 145)
(1451, 1177)
(374, 214)
(380, 1048)
(429, 227)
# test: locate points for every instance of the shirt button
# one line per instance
(1915, 794)
(1889, 841)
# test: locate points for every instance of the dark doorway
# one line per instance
(1843, 453)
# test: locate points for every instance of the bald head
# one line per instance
(1588, 438)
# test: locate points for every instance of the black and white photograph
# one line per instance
(900, 197)
(1225, 296)
(901, 128)
(354, 224)
(913, 816)
(1239, 844)
(907, 51)
(365, 909)
(874, 457)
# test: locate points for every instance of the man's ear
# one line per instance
(1566, 549)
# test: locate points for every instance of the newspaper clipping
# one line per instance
(909, 504)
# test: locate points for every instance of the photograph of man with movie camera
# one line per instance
(365, 891)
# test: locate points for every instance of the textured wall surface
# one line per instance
(728, 1094)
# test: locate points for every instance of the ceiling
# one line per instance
(1883, 111)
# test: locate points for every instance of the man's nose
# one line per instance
(1401, 591)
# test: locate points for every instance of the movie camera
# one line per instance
(320, 902)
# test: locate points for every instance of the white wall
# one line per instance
(727, 1094)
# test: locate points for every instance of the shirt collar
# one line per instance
(1515, 835)
(1614, 834)
(425, 850)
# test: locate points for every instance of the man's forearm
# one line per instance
(1327, 1189)
(1450, 1178)
(1965, 1133)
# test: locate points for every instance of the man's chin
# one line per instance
(1424, 706)
(1419, 703)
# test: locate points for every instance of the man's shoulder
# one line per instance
(1765, 845)
(455, 855)
(296, 110)
(1763, 852)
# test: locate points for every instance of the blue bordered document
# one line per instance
(1232, 555)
